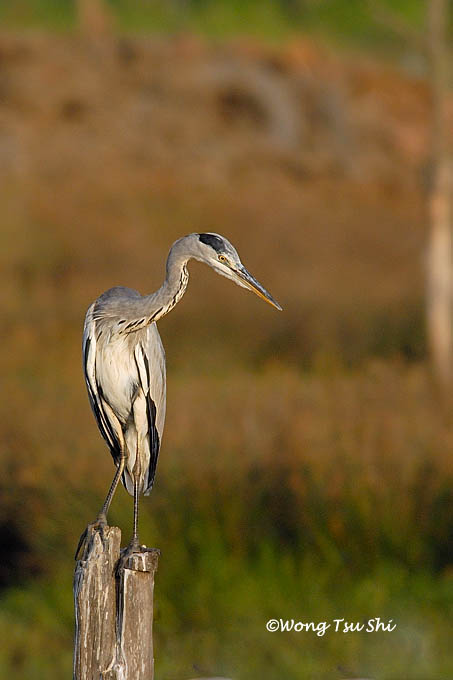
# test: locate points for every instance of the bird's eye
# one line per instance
(222, 258)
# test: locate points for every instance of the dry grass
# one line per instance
(310, 442)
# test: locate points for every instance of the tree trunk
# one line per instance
(94, 18)
(439, 261)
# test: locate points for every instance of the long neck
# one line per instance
(145, 310)
(173, 288)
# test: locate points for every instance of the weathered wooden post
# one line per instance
(114, 611)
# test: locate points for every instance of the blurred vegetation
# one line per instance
(306, 468)
(347, 21)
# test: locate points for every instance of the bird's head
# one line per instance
(218, 253)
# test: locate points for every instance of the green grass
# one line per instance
(212, 606)
(38, 14)
(348, 21)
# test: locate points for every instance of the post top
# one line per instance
(146, 560)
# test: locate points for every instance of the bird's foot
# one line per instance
(134, 548)
(99, 525)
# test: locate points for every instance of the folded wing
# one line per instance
(108, 423)
(150, 360)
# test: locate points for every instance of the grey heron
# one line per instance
(124, 364)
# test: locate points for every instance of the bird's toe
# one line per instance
(98, 525)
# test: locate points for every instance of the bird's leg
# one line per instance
(101, 520)
(134, 544)
(135, 540)
(102, 516)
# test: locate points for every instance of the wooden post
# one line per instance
(114, 612)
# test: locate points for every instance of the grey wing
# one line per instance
(107, 422)
(150, 360)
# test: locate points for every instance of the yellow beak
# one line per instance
(256, 287)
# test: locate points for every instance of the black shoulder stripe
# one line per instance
(87, 349)
(153, 434)
(146, 362)
(154, 443)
